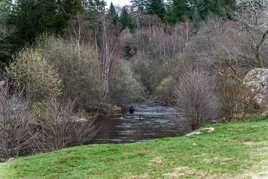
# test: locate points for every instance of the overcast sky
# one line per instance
(118, 2)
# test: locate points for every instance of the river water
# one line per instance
(148, 122)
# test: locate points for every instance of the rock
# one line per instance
(2, 83)
(117, 108)
(264, 114)
(11, 159)
(210, 129)
(257, 81)
(193, 133)
(213, 122)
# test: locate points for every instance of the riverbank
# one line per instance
(233, 150)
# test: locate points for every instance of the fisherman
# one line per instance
(131, 109)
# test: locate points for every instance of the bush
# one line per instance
(78, 67)
(124, 88)
(16, 134)
(62, 128)
(168, 74)
(196, 95)
(237, 99)
(32, 72)
(22, 133)
(165, 91)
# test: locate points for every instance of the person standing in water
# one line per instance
(131, 109)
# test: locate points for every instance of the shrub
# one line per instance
(32, 72)
(78, 67)
(124, 88)
(165, 90)
(22, 133)
(168, 74)
(16, 134)
(197, 97)
(62, 128)
(237, 99)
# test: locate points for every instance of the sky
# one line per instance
(118, 2)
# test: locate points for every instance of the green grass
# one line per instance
(232, 150)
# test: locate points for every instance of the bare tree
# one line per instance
(78, 31)
(16, 135)
(249, 15)
(62, 129)
(196, 95)
(109, 51)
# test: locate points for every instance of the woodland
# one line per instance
(62, 60)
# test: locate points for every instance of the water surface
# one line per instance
(148, 122)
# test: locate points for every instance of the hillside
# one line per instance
(233, 150)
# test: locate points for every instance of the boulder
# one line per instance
(264, 114)
(257, 81)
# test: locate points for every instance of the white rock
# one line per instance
(257, 80)
(210, 129)
(193, 133)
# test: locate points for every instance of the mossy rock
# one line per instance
(257, 80)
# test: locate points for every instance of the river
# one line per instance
(148, 122)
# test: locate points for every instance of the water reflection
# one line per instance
(147, 122)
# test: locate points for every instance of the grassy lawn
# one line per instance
(233, 150)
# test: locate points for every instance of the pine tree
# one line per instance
(70, 7)
(112, 12)
(156, 7)
(177, 11)
(139, 5)
(95, 5)
(124, 18)
(93, 9)
(31, 18)
(126, 21)
(196, 17)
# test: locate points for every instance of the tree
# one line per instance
(139, 5)
(109, 50)
(196, 17)
(156, 7)
(177, 11)
(112, 12)
(125, 20)
(31, 18)
(94, 10)
(248, 15)
(68, 8)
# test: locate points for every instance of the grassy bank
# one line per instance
(233, 150)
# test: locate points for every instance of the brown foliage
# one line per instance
(237, 99)
(23, 134)
(196, 95)
(62, 128)
(16, 135)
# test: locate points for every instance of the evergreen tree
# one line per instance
(31, 18)
(156, 7)
(69, 8)
(126, 21)
(196, 17)
(177, 11)
(95, 6)
(5, 8)
(112, 12)
(139, 5)
(93, 9)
